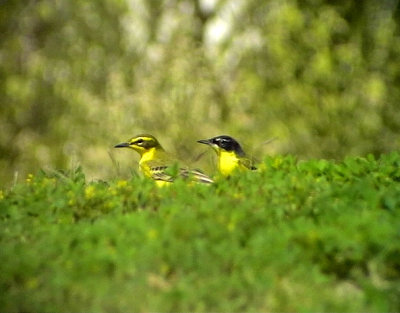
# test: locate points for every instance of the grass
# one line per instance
(295, 236)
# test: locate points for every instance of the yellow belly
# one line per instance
(162, 183)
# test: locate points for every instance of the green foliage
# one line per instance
(294, 236)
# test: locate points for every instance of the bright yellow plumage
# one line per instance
(228, 162)
(157, 164)
(231, 156)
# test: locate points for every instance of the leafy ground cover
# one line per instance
(295, 236)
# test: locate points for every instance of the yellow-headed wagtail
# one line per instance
(231, 156)
(155, 162)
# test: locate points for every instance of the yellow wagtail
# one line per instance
(231, 156)
(158, 164)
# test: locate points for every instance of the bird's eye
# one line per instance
(222, 142)
(139, 141)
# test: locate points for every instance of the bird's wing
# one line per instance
(195, 175)
(166, 170)
(157, 170)
(247, 163)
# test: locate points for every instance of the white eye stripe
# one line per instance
(222, 141)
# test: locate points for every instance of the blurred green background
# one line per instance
(79, 76)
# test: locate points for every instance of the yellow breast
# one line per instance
(145, 159)
(228, 162)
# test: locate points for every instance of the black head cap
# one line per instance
(226, 143)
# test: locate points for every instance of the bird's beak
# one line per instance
(122, 145)
(204, 141)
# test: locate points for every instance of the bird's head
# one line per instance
(224, 143)
(141, 143)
